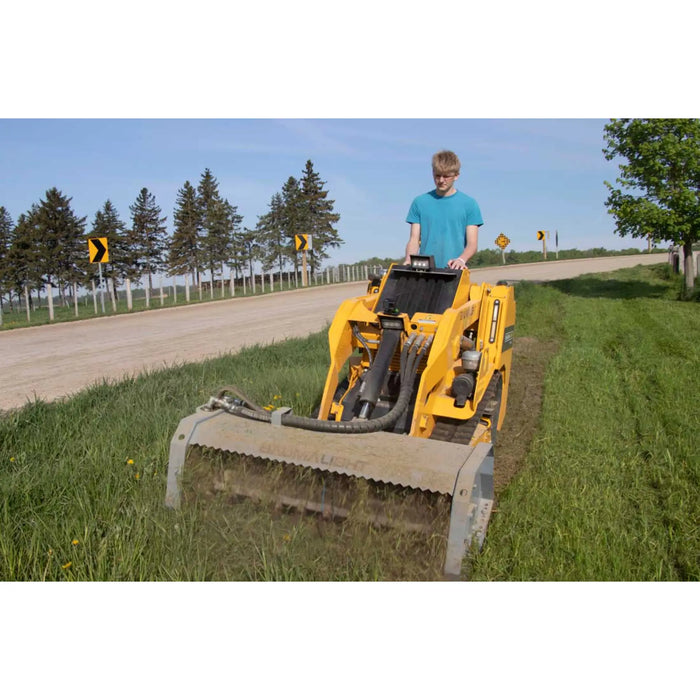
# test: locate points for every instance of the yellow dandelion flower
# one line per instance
(74, 542)
(12, 459)
(137, 476)
(287, 538)
(67, 565)
(277, 396)
(129, 461)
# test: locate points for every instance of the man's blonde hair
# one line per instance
(445, 162)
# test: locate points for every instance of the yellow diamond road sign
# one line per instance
(502, 241)
(301, 241)
(99, 251)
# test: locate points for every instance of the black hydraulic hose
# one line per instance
(363, 341)
(411, 359)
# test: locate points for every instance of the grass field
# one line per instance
(609, 489)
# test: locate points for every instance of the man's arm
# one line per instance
(413, 245)
(461, 260)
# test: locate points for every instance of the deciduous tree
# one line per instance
(658, 190)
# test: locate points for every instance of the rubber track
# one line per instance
(461, 432)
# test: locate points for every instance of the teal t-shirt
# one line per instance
(443, 223)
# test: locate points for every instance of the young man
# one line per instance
(444, 222)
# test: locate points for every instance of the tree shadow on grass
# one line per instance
(591, 287)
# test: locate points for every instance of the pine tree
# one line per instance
(271, 235)
(183, 256)
(61, 242)
(292, 223)
(6, 226)
(23, 259)
(235, 220)
(220, 223)
(249, 248)
(215, 244)
(317, 216)
(147, 239)
(107, 224)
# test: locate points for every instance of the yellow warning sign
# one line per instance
(541, 235)
(301, 240)
(99, 250)
(502, 241)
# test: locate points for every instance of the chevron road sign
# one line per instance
(99, 250)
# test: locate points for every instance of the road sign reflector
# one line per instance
(99, 250)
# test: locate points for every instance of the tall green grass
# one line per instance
(82, 487)
(610, 490)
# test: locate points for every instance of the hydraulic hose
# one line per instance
(410, 359)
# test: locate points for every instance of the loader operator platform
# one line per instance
(444, 222)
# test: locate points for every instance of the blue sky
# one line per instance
(526, 174)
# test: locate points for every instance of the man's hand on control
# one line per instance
(457, 264)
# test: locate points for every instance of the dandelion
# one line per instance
(67, 565)
(269, 407)
(12, 459)
(74, 542)
(137, 476)
(129, 461)
(287, 538)
(277, 396)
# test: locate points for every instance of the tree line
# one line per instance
(47, 247)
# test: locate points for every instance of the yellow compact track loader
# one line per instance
(415, 392)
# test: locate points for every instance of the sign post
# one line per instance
(542, 236)
(302, 242)
(99, 253)
(502, 242)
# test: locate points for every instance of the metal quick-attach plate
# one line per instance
(429, 465)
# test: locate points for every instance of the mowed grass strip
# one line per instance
(611, 488)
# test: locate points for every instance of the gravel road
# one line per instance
(50, 362)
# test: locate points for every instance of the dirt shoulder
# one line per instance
(524, 408)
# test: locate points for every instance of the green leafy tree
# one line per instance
(317, 216)
(183, 255)
(658, 190)
(60, 240)
(147, 240)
